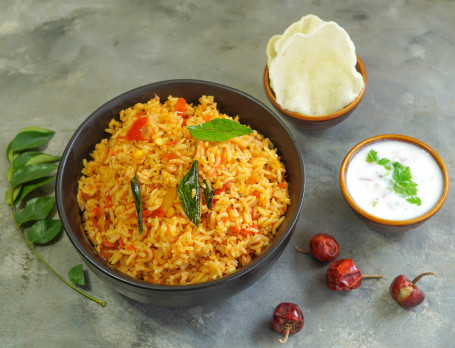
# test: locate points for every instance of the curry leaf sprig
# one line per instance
(401, 180)
(29, 170)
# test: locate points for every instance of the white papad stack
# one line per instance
(312, 67)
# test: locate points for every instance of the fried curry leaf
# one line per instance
(188, 193)
(218, 129)
(77, 276)
(138, 201)
(44, 231)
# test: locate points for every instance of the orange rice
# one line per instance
(249, 202)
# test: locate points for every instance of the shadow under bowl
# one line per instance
(384, 225)
(316, 122)
(230, 101)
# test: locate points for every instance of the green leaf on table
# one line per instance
(32, 172)
(33, 157)
(218, 129)
(9, 174)
(10, 154)
(11, 194)
(44, 231)
(30, 138)
(188, 192)
(25, 189)
(35, 209)
(76, 275)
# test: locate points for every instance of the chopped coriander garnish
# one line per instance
(401, 180)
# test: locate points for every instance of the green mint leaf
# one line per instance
(208, 195)
(135, 188)
(33, 157)
(188, 193)
(218, 129)
(30, 139)
(25, 189)
(44, 231)
(76, 275)
(35, 209)
(372, 156)
(32, 172)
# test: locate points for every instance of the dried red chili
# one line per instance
(323, 247)
(287, 319)
(343, 275)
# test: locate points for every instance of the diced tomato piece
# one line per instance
(158, 213)
(171, 155)
(180, 106)
(108, 198)
(136, 131)
(104, 252)
(146, 213)
(173, 142)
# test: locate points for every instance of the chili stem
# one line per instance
(288, 329)
(302, 251)
(30, 245)
(372, 276)
(423, 275)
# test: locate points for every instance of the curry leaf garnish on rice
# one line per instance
(218, 129)
(208, 194)
(30, 170)
(138, 201)
(188, 192)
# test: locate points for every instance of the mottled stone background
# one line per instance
(60, 60)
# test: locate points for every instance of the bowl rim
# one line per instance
(315, 119)
(393, 223)
(123, 278)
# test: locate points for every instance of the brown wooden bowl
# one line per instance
(316, 122)
(385, 225)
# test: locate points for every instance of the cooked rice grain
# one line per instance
(249, 202)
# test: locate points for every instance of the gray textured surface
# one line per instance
(60, 61)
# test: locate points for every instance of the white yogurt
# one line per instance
(368, 184)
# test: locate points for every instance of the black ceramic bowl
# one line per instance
(231, 102)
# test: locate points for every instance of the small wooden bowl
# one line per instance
(316, 122)
(384, 225)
